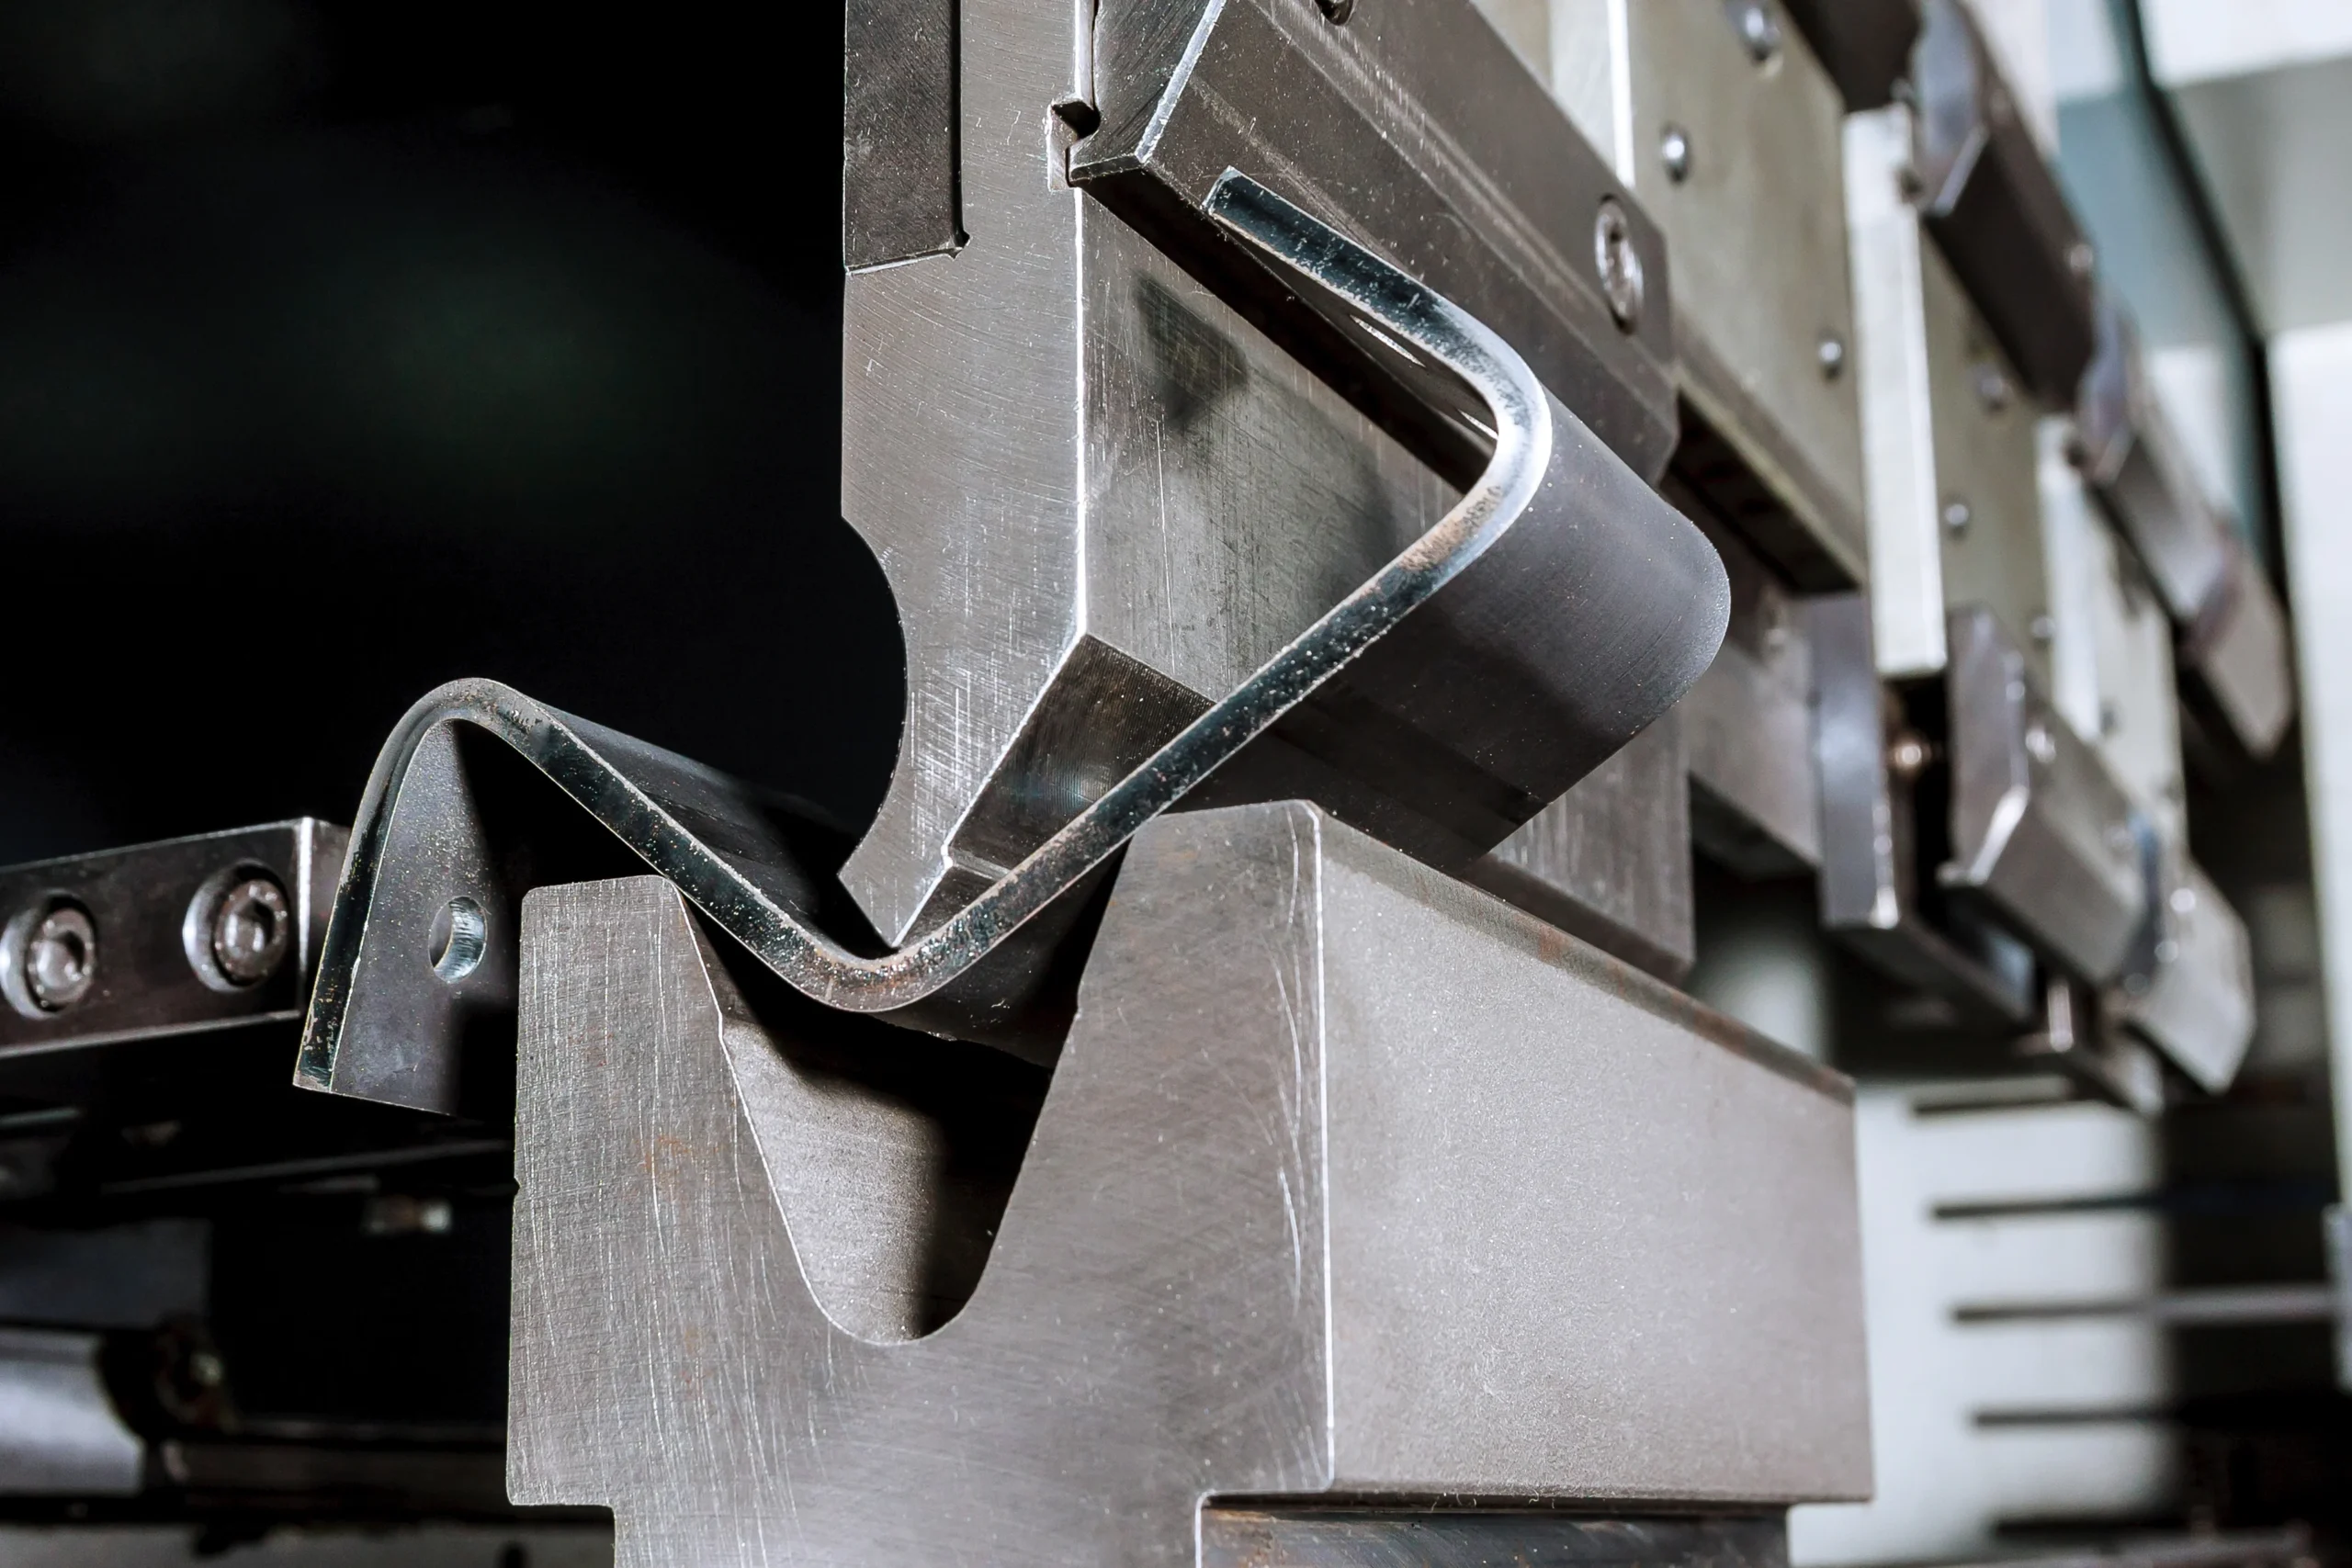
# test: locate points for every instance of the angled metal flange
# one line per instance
(1557, 610)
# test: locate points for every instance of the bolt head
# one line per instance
(1957, 516)
(1992, 389)
(1674, 151)
(60, 960)
(1618, 263)
(2044, 629)
(1830, 354)
(252, 931)
(1759, 30)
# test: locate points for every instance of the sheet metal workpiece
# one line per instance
(1994, 207)
(2039, 828)
(1549, 615)
(2232, 631)
(1947, 433)
(1728, 130)
(1352, 1180)
(1102, 493)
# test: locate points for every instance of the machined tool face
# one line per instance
(1334, 1140)
(1554, 613)
(1106, 468)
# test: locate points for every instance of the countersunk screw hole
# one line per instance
(1758, 30)
(1618, 263)
(1674, 151)
(458, 939)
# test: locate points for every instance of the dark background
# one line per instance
(346, 349)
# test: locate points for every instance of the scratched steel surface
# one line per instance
(1350, 1176)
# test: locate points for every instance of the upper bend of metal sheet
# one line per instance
(648, 798)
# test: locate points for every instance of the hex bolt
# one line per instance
(61, 961)
(1674, 151)
(1619, 264)
(1957, 516)
(1830, 354)
(1760, 31)
(252, 930)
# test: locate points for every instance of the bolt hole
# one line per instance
(1337, 10)
(458, 939)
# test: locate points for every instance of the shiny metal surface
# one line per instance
(1241, 1535)
(900, 195)
(1994, 207)
(1610, 860)
(58, 1432)
(2241, 659)
(1334, 1143)
(1045, 438)
(2129, 451)
(2038, 826)
(1947, 433)
(2197, 1005)
(1749, 199)
(1554, 613)
(1748, 727)
(151, 916)
(1870, 881)
(1415, 131)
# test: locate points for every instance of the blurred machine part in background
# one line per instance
(1321, 782)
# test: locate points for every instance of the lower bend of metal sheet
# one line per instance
(1351, 1180)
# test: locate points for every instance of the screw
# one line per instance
(2184, 900)
(62, 959)
(1993, 388)
(1759, 32)
(2044, 629)
(2081, 259)
(1337, 10)
(1674, 149)
(1907, 757)
(1619, 264)
(1830, 354)
(1957, 518)
(2040, 746)
(251, 928)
